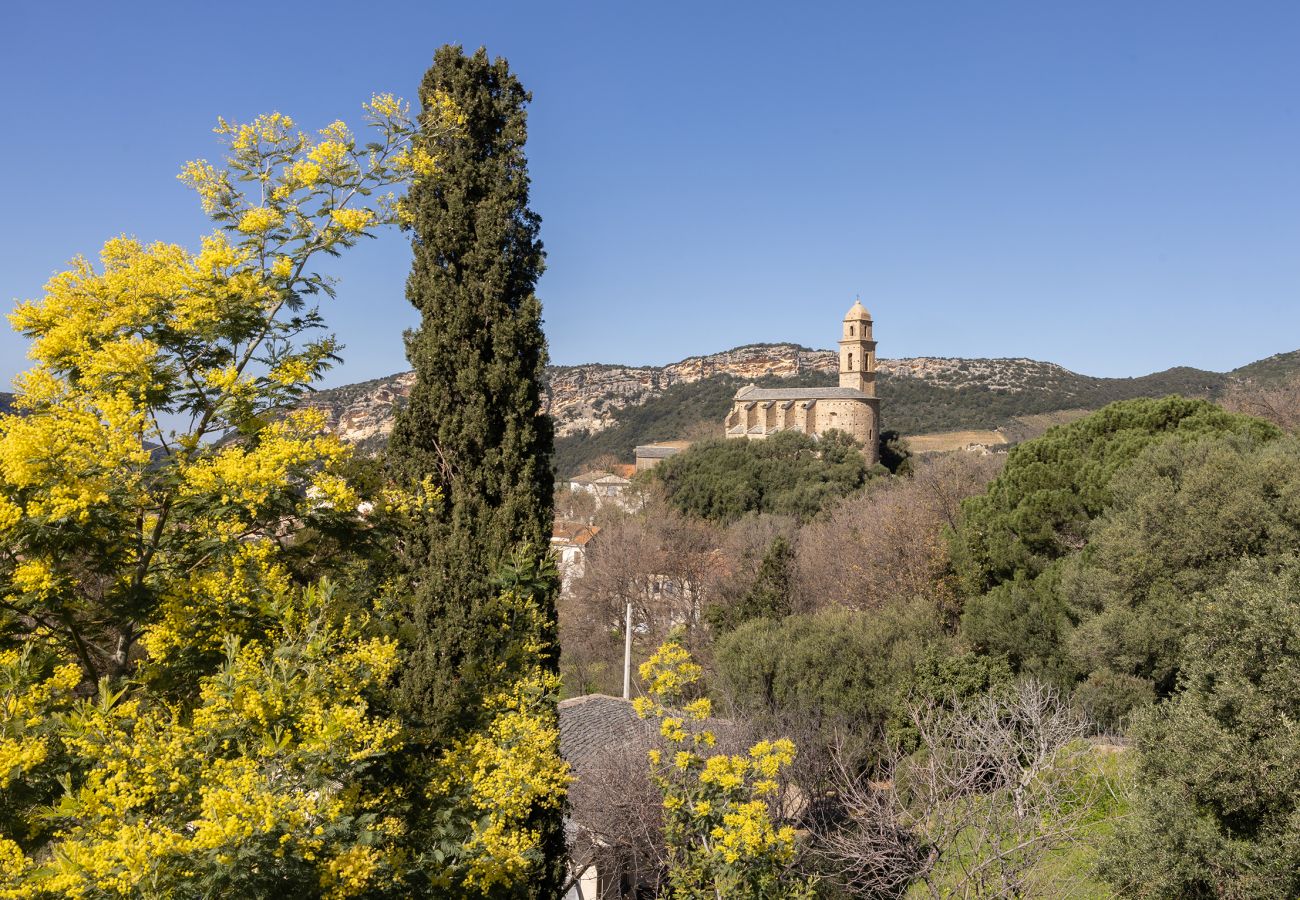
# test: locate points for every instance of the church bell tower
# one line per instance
(858, 352)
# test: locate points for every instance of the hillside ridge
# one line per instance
(608, 407)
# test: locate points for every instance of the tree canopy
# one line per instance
(787, 474)
(1218, 800)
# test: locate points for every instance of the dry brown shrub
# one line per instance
(1278, 403)
(887, 543)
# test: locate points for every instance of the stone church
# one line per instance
(853, 407)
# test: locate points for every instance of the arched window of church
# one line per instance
(850, 331)
(850, 362)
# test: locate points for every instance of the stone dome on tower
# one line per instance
(858, 312)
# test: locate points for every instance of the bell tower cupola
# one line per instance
(858, 352)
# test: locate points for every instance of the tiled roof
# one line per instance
(588, 477)
(594, 726)
(751, 393)
(598, 478)
(573, 532)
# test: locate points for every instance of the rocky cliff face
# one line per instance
(362, 413)
(585, 398)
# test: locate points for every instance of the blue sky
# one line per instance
(1108, 185)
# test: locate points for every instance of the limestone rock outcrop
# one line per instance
(585, 397)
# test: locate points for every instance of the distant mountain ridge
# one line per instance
(608, 408)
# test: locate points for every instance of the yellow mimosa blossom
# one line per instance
(259, 219)
(180, 710)
(330, 154)
(303, 174)
(349, 873)
(356, 220)
(33, 576)
(387, 106)
(504, 772)
(720, 822)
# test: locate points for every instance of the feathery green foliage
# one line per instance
(1039, 507)
(474, 427)
(1081, 560)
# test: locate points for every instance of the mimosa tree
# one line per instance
(184, 716)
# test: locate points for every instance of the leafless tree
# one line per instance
(887, 543)
(663, 564)
(617, 816)
(574, 506)
(1279, 403)
(997, 785)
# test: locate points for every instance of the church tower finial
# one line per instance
(858, 351)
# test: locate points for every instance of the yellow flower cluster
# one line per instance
(83, 454)
(197, 611)
(720, 824)
(353, 220)
(669, 672)
(259, 219)
(747, 832)
(386, 106)
(271, 129)
(259, 759)
(508, 770)
(331, 155)
(350, 873)
(151, 487)
(27, 703)
(250, 477)
(211, 185)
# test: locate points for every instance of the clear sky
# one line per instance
(1114, 186)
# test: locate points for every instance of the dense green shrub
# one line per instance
(1110, 699)
(787, 474)
(1217, 807)
(1039, 508)
(1183, 515)
(1083, 554)
(838, 673)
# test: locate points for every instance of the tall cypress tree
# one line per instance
(474, 423)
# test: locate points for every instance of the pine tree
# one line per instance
(769, 597)
(474, 425)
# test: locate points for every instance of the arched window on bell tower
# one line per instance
(857, 351)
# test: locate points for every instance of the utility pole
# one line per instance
(627, 655)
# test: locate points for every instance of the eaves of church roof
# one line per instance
(751, 393)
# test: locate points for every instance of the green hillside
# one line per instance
(1275, 368)
(911, 405)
